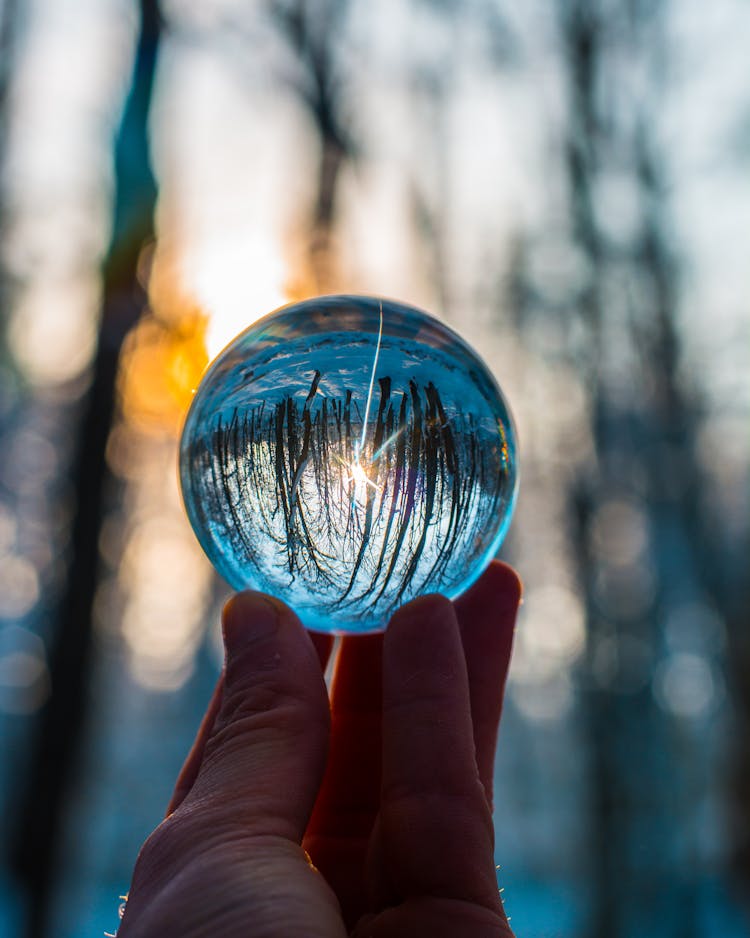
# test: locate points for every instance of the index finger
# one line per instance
(435, 824)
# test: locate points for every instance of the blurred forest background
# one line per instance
(567, 183)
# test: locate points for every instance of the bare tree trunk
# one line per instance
(311, 31)
(8, 25)
(643, 441)
(582, 36)
(61, 721)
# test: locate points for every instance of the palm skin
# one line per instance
(369, 816)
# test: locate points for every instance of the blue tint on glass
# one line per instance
(347, 454)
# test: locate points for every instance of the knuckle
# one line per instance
(158, 855)
(268, 704)
(173, 845)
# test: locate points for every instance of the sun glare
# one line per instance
(236, 280)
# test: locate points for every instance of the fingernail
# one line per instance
(248, 618)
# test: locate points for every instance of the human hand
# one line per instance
(371, 817)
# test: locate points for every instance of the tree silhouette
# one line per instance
(61, 720)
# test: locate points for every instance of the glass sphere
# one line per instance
(347, 454)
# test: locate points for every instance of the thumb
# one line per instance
(263, 757)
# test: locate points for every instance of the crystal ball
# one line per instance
(346, 454)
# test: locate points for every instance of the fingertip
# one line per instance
(504, 582)
(422, 644)
(417, 613)
(251, 616)
(263, 634)
(247, 618)
(420, 629)
(511, 575)
(497, 594)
